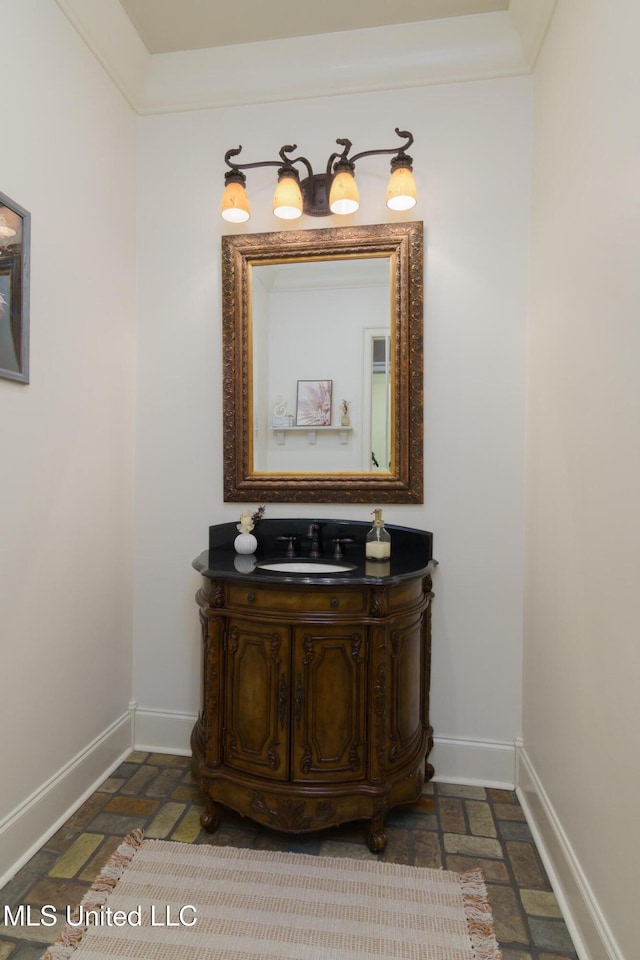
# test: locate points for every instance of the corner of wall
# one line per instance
(589, 931)
(531, 21)
(114, 41)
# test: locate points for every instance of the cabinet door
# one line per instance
(329, 701)
(257, 698)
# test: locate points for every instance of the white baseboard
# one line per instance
(163, 731)
(476, 762)
(481, 762)
(590, 932)
(29, 826)
(485, 763)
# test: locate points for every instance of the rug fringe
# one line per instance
(479, 915)
(95, 897)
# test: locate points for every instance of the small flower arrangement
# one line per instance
(246, 522)
(250, 520)
(345, 419)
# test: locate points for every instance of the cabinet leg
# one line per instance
(377, 839)
(211, 817)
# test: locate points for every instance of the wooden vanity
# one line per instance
(315, 692)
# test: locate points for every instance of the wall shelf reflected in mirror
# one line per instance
(312, 434)
(339, 309)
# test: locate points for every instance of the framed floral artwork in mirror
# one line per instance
(313, 403)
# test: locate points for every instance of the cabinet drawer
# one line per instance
(338, 600)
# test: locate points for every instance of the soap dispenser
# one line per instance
(378, 543)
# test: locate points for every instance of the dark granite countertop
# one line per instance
(411, 553)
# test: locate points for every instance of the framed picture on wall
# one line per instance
(313, 404)
(15, 237)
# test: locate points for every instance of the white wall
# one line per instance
(582, 656)
(472, 159)
(66, 440)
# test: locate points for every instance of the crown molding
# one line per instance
(478, 47)
(114, 41)
(531, 21)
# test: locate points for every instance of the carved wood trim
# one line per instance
(380, 704)
(273, 756)
(210, 594)
(357, 647)
(211, 678)
(299, 700)
(378, 601)
(282, 701)
(234, 640)
(275, 642)
(290, 814)
(307, 641)
(306, 759)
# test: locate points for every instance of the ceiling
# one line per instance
(171, 25)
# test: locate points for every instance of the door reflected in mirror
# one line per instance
(332, 317)
(377, 353)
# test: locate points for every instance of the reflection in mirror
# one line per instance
(312, 322)
(323, 322)
(377, 351)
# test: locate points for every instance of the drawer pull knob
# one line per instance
(334, 601)
(251, 597)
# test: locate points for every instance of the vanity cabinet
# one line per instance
(315, 701)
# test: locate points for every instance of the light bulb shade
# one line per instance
(235, 203)
(343, 196)
(5, 230)
(287, 200)
(401, 189)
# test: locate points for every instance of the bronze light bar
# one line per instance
(318, 194)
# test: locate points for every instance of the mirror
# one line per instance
(323, 391)
(349, 301)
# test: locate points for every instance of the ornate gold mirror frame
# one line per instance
(402, 243)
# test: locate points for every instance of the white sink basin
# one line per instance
(305, 566)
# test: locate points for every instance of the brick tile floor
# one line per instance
(451, 827)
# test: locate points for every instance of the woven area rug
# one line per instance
(161, 900)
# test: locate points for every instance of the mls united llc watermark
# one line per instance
(103, 916)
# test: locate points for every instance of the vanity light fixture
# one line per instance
(318, 194)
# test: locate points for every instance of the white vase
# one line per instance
(245, 543)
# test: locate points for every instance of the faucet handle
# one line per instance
(291, 552)
(337, 546)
